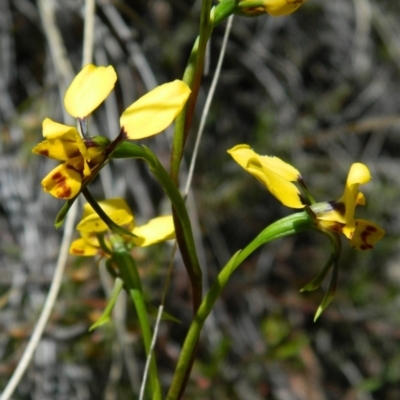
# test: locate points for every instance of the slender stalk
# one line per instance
(188, 249)
(287, 226)
(149, 355)
(192, 77)
(130, 275)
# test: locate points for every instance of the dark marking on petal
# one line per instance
(336, 227)
(77, 251)
(64, 193)
(69, 166)
(369, 230)
(89, 142)
(339, 207)
(74, 154)
(366, 246)
(58, 177)
(62, 190)
(44, 152)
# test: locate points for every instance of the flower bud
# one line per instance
(276, 8)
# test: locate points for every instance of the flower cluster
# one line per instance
(95, 236)
(334, 216)
(148, 116)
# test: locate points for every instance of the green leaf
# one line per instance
(105, 316)
(63, 212)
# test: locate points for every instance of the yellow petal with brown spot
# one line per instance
(63, 182)
(365, 235)
(80, 247)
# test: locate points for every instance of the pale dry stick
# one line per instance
(57, 49)
(152, 344)
(47, 308)
(88, 33)
(136, 54)
(64, 70)
(362, 37)
(207, 106)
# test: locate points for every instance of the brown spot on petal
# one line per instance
(69, 166)
(63, 191)
(368, 231)
(336, 227)
(89, 142)
(58, 177)
(366, 246)
(339, 207)
(44, 152)
(65, 194)
(74, 154)
(77, 251)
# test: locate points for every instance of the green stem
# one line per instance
(106, 219)
(290, 225)
(130, 276)
(192, 77)
(188, 249)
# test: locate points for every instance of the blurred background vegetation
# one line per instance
(320, 89)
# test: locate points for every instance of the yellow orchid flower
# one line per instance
(64, 143)
(276, 175)
(148, 116)
(91, 225)
(336, 216)
(276, 8)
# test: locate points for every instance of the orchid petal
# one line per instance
(80, 247)
(156, 230)
(365, 235)
(279, 8)
(63, 182)
(154, 111)
(89, 89)
(274, 173)
(68, 135)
